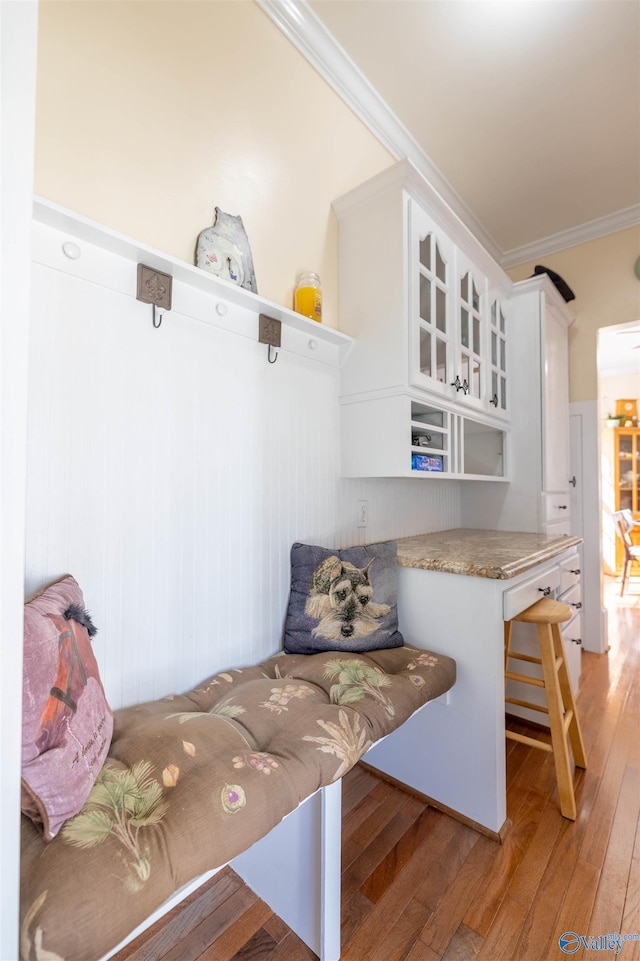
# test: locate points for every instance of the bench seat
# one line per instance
(193, 780)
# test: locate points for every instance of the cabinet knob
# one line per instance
(545, 591)
(573, 481)
(577, 606)
(575, 640)
(576, 570)
(562, 507)
(494, 400)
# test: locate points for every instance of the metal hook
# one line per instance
(275, 354)
(156, 325)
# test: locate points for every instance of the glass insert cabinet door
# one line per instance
(469, 363)
(628, 470)
(430, 306)
(498, 358)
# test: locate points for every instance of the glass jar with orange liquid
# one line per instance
(307, 298)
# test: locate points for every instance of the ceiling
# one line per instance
(528, 111)
(523, 114)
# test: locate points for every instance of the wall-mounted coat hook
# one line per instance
(154, 288)
(269, 332)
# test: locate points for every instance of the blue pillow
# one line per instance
(342, 600)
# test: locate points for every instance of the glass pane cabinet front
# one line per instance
(498, 334)
(469, 368)
(628, 471)
(433, 324)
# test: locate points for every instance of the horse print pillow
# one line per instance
(342, 600)
(66, 721)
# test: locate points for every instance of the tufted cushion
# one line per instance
(192, 780)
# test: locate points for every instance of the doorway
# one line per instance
(618, 379)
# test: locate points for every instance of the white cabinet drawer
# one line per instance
(542, 584)
(555, 507)
(572, 597)
(572, 631)
(569, 572)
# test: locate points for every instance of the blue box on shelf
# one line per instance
(426, 462)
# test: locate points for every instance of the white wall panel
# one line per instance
(170, 471)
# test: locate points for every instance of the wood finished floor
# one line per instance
(419, 886)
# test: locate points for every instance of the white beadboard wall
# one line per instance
(170, 470)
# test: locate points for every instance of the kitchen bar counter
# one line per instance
(477, 553)
(453, 751)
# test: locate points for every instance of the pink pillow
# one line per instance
(66, 721)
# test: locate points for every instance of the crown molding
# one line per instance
(593, 230)
(305, 30)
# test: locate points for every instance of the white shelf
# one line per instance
(82, 229)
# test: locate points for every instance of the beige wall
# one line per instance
(149, 114)
(601, 275)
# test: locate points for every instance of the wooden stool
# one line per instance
(547, 614)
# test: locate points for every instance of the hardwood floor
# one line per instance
(419, 886)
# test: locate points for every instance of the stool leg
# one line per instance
(556, 721)
(575, 734)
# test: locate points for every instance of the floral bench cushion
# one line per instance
(193, 780)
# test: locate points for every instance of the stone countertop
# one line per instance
(477, 553)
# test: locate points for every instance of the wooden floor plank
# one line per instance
(420, 952)
(631, 915)
(394, 901)
(405, 932)
(577, 905)
(464, 945)
(390, 804)
(379, 846)
(260, 947)
(443, 924)
(375, 885)
(181, 920)
(444, 858)
(226, 946)
(500, 941)
(213, 927)
(356, 909)
(609, 903)
(290, 948)
(528, 802)
(359, 785)
(526, 879)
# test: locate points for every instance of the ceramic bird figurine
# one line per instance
(223, 250)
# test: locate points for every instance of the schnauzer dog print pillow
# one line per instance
(342, 600)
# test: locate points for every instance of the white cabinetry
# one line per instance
(538, 496)
(426, 306)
